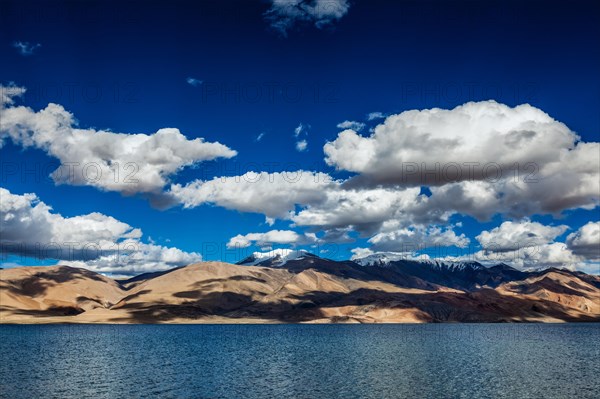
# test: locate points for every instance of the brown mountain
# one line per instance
(308, 289)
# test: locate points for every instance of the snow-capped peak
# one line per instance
(385, 258)
(274, 258)
(379, 258)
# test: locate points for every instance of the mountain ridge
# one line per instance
(302, 289)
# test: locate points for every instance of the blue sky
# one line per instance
(224, 72)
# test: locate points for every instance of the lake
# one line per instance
(300, 361)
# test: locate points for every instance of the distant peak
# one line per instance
(275, 258)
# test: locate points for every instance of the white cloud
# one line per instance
(577, 185)
(259, 137)
(585, 242)
(8, 94)
(135, 258)
(301, 129)
(271, 237)
(523, 245)
(416, 238)
(301, 145)
(274, 195)
(527, 245)
(393, 212)
(96, 241)
(479, 159)
(350, 144)
(284, 14)
(126, 163)
(193, 82)
(364, 210)
(375, 115)
(511, 236)
(532, 257)
(482, 132)
(312, 200)
(353, 125)
(358, 253)
(383, 202)
(308, 199)
(26, 219)
(26, 48)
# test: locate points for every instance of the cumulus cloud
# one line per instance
(358, 253)
(526, 245)
(135, 258)
(363, 210)
(416, 238)
(267, 239)
(585, 242)
(539, 250)
(476, 132)
(284, 14)
(382, 202)
(308, 199)
(314, 201)
(479, 159)
(96, 241)
(353, 125)
(564, 175)
(126, 163)
(26, 48)
(577, 185)
(274, 195)
(511, 236)
(556, 254)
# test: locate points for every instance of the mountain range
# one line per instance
(296, 286)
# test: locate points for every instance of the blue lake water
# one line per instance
(300, 361)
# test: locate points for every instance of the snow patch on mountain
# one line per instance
(453, 265)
